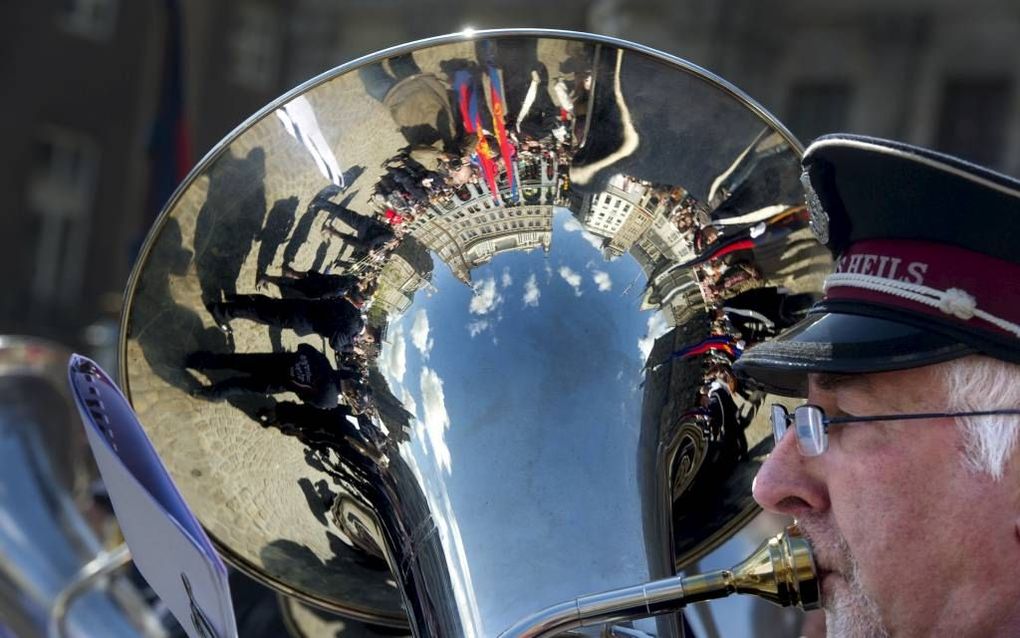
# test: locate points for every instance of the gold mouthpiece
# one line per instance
(782, 571)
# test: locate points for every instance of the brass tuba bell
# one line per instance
(444, 337)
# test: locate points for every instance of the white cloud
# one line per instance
(571, 278)
(572, 225)
(486, 298)
(478, 327)
(420, 333)
(602, 280)
(436, 419)
(506, 280)
(657, 326)
(594, 240)
(393, 358)
(409, 403)
(531, 292)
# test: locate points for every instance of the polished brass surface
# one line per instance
(445, 335)
(56, 537)
(781, 571)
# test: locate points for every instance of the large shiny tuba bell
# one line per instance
(443, 338)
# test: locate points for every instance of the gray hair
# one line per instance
(981, 383)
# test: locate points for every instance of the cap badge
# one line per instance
(819, 220)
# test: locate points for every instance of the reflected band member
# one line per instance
(305, 372)
(902, 469)
(337, 320)
(314, 285)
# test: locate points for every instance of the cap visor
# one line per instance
(842, 343)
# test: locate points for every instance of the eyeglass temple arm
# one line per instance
(908, 417)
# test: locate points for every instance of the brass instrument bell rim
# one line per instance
(218, 150)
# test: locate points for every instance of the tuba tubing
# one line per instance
(781, 570)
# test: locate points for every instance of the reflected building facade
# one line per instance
(468, 227)
(407, 271)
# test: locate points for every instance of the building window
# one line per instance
(92, 19)
(255, 46)
(61, 189)
(974, 117)
(818, 107)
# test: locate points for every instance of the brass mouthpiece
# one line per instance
(781, 570)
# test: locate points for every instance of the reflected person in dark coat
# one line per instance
(306, 372)
(314, 285)
(337, 320)
(368, 233)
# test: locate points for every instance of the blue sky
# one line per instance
(526, 395)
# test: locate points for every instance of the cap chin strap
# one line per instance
(956, 302)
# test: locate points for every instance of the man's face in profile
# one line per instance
(908, 539)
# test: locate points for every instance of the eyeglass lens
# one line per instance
(779, 418)
(808, 421)
(811, 434)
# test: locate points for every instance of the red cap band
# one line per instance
(897, 273)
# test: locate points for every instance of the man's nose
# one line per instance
(787, 482)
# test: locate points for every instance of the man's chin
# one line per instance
(849, 613)
(831, 584)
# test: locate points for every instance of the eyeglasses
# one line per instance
(812, 426)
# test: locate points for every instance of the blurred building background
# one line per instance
(109, 102)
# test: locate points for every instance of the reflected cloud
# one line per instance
(393, 358)
(420, 334)
(478, 327)
(657, 326)
(506, 280)
(602, 280)
(572, 225)
(437, 420)
(409, 403)
(485, 298)
(531, 292)
(572, 278)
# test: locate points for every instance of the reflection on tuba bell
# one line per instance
(444, 337)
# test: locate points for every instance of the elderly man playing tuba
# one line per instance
(902, 466)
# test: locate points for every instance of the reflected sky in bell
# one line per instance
(487, 369)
